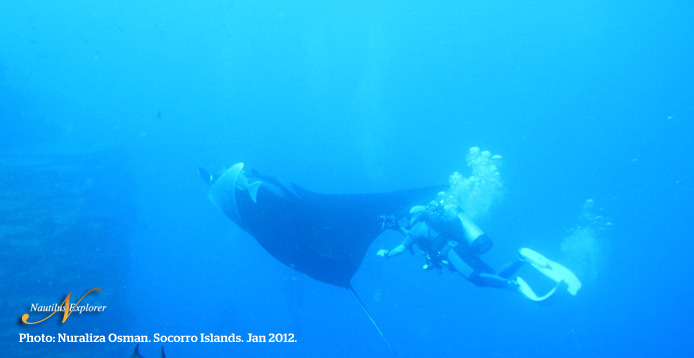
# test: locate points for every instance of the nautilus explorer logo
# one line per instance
(66, 307)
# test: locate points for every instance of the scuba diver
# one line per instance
(449, 238)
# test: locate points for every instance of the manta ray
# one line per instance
(136, 352)
(324, 236)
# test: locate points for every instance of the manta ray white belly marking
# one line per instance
(223, 190)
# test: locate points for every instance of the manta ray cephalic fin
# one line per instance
(253, 191)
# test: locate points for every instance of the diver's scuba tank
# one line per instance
(479, 241)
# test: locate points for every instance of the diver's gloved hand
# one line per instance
(382, 253)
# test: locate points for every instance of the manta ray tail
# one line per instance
(372, 319)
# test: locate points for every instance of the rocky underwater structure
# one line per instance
(66, 223)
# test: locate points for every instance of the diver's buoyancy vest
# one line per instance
(429, 240)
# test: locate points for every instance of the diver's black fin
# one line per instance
(207, 177)
(372, 319)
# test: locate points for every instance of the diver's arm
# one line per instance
(405, 245)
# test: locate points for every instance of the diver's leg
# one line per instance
(510, 268)
(479, 278)
(489, 280)
(458, 263)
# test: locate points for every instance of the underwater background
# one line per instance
(107, 109)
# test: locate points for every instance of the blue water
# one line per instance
(583, 99)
